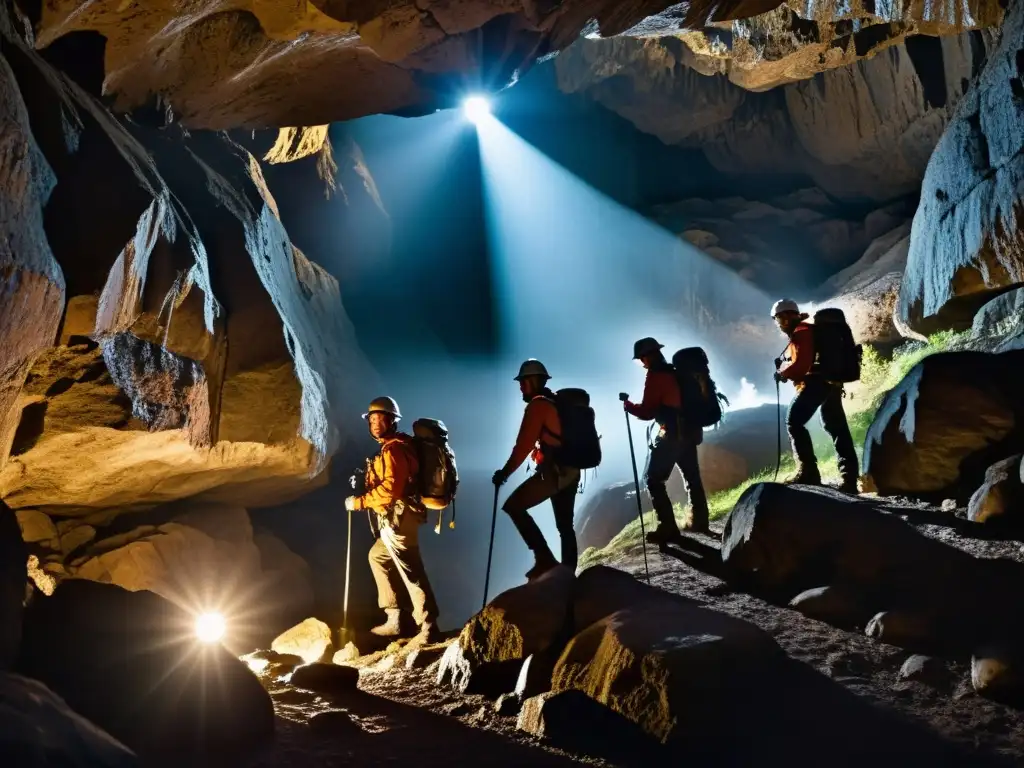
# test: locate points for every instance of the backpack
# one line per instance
(580, 444)
(836, 356)
(438, 476)
(701, 402)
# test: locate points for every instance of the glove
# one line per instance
(779, 378)
(499, 477)
(623, 396)
(778, 363)
(350, 503)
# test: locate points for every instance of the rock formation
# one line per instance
(862, 131)
(966, 241)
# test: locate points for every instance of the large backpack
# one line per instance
(837, 357)
(580, 444)
(701, 402)
(438, 476)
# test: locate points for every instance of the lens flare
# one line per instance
(476, 108)
(210, 627)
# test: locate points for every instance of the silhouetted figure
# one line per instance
(813, 391)
(674, 445)
(539, 436)
(392, 492)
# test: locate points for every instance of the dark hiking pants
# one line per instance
(559, 485)
(816, 394)
(666, 453)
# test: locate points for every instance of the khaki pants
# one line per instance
(395, 559)
(559, 485)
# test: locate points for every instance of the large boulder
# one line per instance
(38, 730)
(130, 662)
(602, 590)
(1001, 321)
(667, 667)
(782, 540)
(310, 640)
(524, 620)
(950, 418)
(13, 578)
(966, 242)
(1001, 497)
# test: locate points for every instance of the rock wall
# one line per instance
(966, 242)
(863, 131)
(198, 350)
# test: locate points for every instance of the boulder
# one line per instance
(573, 720)
(782, 540)
(602, 590)
(521, 621)
(1001, 319)
(966, 240)
(832, 605)
(953, 415)
(996, 673)
(868, 289)
(926, 669)
(1001, 496)
(666, 667)
(13, 578)
(330, 679)
(174, 697)
(39, 730)
(310, 640)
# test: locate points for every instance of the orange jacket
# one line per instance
(540, 427)
(660, 391)
(799, 355)
(392, 475)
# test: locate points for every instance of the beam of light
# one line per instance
(476, 109)
(210, 627)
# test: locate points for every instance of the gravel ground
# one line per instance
(841, 702)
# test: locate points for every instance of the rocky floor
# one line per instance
(845, 701)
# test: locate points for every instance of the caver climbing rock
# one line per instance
(818, 360)
(558, 432)
(675, 443)
(392, 492)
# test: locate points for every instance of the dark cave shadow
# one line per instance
(993, 530)
(790, 714)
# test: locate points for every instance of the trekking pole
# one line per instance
(778, 432)
(490, 549)
(639, 506)
(348, 569)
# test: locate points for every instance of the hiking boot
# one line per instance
(665, 534)
(428, 634)
(848, 485)
(696, 527)
(543, 564)
(390, 628)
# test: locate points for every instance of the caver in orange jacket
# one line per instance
(799, 355)
(391, 475)
(661, 395)
(540, 428)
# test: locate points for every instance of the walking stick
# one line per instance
(490, 549)
(778, 432)
(639, 506)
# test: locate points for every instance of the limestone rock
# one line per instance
(867, 290)
(859, 129)
(39, 730)
(519, 622)
(602, 591)
(786, 539)
(927, 669)
(325, 678)
(663, 665)
(1001, 319)
(939, 429)
(831, 605)
(174, 697)
(310, 640)
(335, 724)
(1001, 497)
(13, 558)
(31, 283)
(995, 672)
(904, 629)
(573, 720)
(966, 241)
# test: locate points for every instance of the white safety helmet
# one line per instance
(784, 305)
(532, 367)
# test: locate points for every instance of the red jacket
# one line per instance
(799, 355)
(660, 391)
(540, 427)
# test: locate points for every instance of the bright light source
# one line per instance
(476, 108)
(210, 627)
